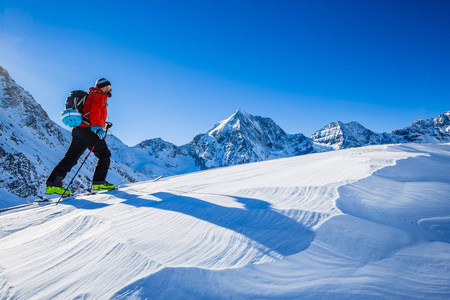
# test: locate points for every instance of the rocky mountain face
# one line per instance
(341, 135)
(425, 131)
(244, 138)
(27, 137)
(31, 145)
(240, 139)
(157, 156)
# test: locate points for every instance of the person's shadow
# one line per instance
(257, 221)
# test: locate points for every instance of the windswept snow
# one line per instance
(362, 223)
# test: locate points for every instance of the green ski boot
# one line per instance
(103, 187)
(56, 190)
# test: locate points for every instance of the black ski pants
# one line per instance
(82, 138)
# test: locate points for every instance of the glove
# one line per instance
(99, 131)
(108, 125)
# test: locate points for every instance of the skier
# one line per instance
(87, 136)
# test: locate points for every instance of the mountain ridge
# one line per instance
(342, 135)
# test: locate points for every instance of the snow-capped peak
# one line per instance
(429, 131)
(234, 122)
(244, 138)
(342, 135)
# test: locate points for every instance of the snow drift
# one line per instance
(362, 223)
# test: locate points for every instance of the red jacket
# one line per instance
(95, 108)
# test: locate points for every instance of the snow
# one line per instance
(360, 223)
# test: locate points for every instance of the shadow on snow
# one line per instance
(257, 221)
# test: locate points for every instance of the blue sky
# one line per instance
(178, 67)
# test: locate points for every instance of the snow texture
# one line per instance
(361, 223)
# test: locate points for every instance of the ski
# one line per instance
(46, 200)
(157, 178)
(43, 200)
(14, 207)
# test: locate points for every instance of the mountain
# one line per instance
(157, 156)
(426, 131)
(31, 145)
(360, 223)
(341, 135)
(28, 138)
(243, 138)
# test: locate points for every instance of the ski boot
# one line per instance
(103, 187)
(56, 190)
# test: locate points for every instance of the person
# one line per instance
(86, 136)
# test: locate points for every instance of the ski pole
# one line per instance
(65, 189)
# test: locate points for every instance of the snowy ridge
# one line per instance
(244, 138)
(361, 223)
(426, 131)
(27, 136)
(239, 139)
(158, 157)
(341, 135)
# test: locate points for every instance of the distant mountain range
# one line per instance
(243, 138)
(31, 144)
(349, 135)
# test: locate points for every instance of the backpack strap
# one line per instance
(92, 92)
